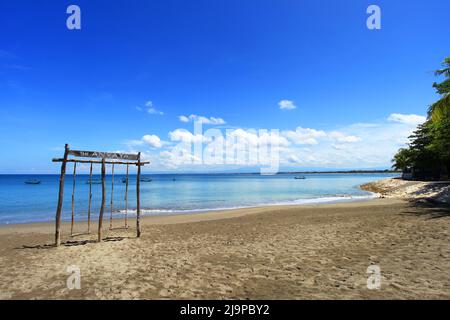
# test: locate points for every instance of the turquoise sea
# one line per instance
(173, 194)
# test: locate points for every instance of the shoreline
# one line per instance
(221, 173)
(172, 212)
(223, 213)
(288, 192)
(391, 188)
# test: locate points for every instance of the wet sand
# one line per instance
(295, 252)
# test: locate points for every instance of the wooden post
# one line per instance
(126, 199)
(138, 197)
(112, 199)
(102, 208)
(74, 176)
(90, 200)
(60, 197)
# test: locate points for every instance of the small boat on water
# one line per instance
(300, 178)
(33, 181)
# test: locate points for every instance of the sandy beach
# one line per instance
(303, 252)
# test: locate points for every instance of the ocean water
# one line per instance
(173, 194)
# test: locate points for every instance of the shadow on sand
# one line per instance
(429, 209)
(71, 243)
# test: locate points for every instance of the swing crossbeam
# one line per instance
(120, 159)
(134, 163)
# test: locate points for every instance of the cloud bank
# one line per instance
(359, 145)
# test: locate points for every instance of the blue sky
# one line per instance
(135, 67)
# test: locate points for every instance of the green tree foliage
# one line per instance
(429, 148)
(402, 159)
(440, 110)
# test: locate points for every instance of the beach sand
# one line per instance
(302, 252)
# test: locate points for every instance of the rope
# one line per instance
(112, 199)
(73, 196)
(126, 200)
(90, 200)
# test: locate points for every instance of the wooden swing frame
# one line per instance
(119, 159)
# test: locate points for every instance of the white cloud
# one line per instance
(273, 139)
(152, 140)
(343, 138)
(255, 138)
(149, 139)
(183, 118)
(177, 157)
(154, 111)
(300, 147)
(204, 120)
(287, 105)
(186, 136)
(412, 119)
(304, 135)
(150, 108)
(243, 137)
(213, 120)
